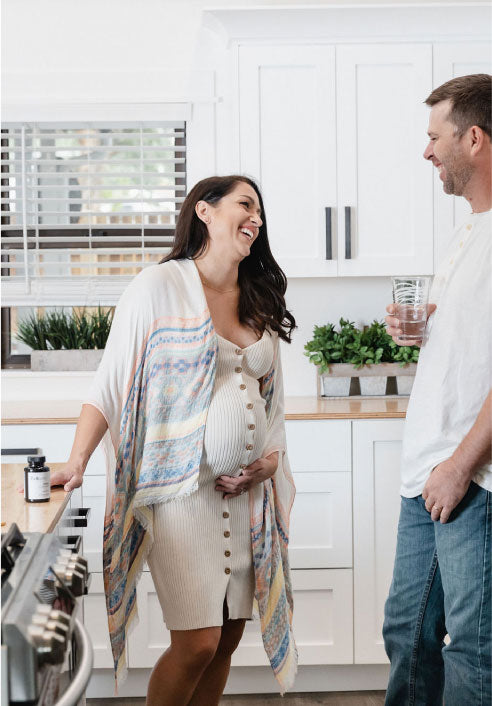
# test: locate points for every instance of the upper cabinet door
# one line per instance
(288, 143)
(385, 211)
(450, 61)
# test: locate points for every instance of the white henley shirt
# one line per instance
(454, 373)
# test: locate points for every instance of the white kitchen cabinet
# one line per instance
(452, 59)
(96, 623)
(385, 218)
(288, 142)
(376, 507)
(321, 521)
(149, 638)
(322, 623)
(334, 134)
(319, 445)
(54, 440)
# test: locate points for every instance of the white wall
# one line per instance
(67, 50)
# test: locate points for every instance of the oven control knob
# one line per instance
(61, 617)
(58, 627)
(77, 566)
(54, 647)
(39, 620)
(72, 578)
(50, 646)
(80, 560)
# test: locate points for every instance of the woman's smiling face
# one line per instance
(234, 223)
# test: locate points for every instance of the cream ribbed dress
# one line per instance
(201, 553)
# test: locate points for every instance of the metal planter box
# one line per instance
(64, 360)
(343, 380)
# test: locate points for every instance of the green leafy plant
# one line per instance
(405, 354)
(367, 346)
(32, 332)
(58, 330)
(331, 346)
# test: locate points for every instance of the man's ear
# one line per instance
(477, 138)
(202, 210)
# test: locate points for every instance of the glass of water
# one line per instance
(411, 295)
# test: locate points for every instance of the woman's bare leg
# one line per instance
(177, 673)
(213, 680)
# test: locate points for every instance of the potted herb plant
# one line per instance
(360, 361)
(62, 341)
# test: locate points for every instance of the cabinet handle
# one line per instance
(348, 234)
(21, 452)
(329, 253)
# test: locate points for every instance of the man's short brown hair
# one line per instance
(470, 98)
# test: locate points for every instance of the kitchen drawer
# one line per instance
(319, 444)
(54, 440)
(321, 521)
(323, 626)
(94, 496)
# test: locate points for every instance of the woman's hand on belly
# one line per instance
(257, 472)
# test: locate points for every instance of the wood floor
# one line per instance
(332, 698)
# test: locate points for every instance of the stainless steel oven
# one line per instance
(46, 651)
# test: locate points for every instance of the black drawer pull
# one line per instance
(72, 542)
(21, 452)
(329, 252)
(76, 517)
(348, 234)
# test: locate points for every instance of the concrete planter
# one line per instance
(343, 380)
(66, 360)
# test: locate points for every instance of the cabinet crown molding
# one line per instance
(345, 23)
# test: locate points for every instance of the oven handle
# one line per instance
(81, 677)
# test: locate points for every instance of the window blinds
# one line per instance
(85, 206)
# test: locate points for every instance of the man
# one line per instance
(442, 575)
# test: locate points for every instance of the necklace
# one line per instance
(220, 291)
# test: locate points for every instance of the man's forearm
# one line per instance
(476, 448)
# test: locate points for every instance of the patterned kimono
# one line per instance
(153, 387)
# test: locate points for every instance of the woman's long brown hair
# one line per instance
(262, 283)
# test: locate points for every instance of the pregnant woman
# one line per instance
(190, 387)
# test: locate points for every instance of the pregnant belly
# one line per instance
(234, 434)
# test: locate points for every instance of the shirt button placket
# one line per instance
(250, 425)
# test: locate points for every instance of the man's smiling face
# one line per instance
(446, 152)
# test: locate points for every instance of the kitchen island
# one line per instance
(344, 454)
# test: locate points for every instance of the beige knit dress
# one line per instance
(201, 553)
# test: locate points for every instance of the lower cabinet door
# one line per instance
(322, 625)
(321, 521)
(96, 623)
(150, 637)
(376, 480)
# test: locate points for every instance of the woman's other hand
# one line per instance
(257, 472)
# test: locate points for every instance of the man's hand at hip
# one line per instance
(445, 488)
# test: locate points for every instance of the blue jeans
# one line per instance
(441, 584)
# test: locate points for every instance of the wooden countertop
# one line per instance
(30, 517)
(309, 407)
(345, 407)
